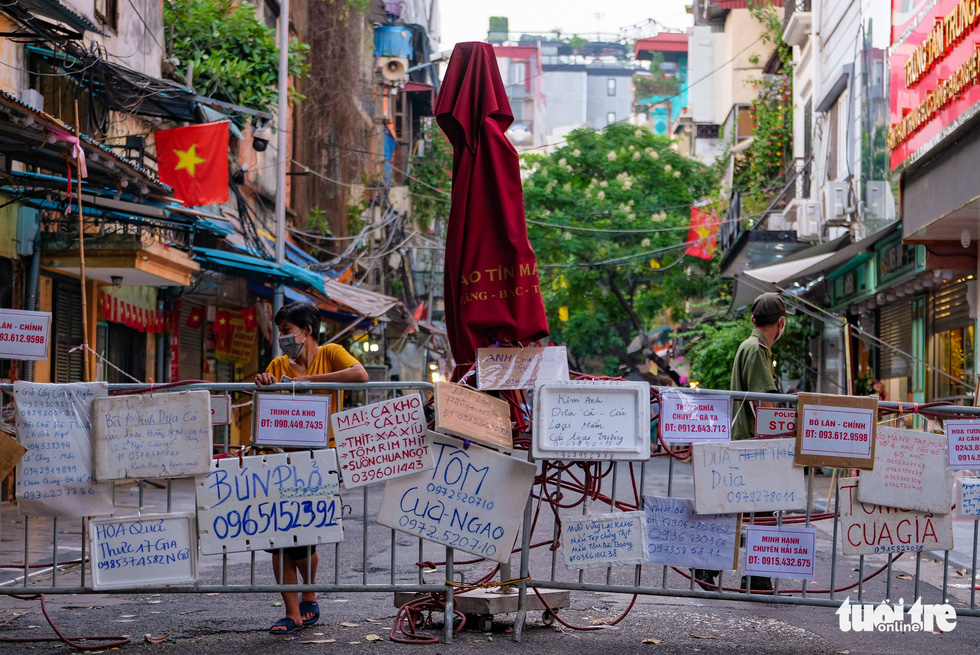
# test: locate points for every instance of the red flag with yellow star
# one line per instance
(194, 161)
(702, 236)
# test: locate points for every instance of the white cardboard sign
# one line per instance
(680, 537)
(688, 418)
(473, 415)
(473, 500)
(381, 441)
(963, 444)
(837, 432)
(910, 472)
(967, 499)
(24, 335)
(775, 422)
(220, 409)
(269, 501)
(592, 421)
(292, 421)
(747, 476)
(56, 477)
(520, 368)
(163, 435)
(129, 552)
(868, 529)
(601, 540)
(776, 552)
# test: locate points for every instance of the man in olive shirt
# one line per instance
(753, 369)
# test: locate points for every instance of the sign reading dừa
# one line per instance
(473, 415)
(868, 529)
(836, 431)
(756, 475)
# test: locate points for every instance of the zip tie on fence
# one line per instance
(114, 640)
(485, 585)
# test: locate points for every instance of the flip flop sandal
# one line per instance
(287, 623)
(307, 607)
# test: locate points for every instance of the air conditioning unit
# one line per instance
(835, 202)
(777, 222)
(876, 199)
(808, 222)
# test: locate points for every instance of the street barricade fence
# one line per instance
(823, 506)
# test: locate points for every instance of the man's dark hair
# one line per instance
(301, 314)
(765, 320)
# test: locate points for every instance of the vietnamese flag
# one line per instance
(195, 317)
(194, 161)
(248, 317)
(222, 321)
(702, 236)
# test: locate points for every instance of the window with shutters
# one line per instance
(67, 319)
(190, 347)
(953, 340)
(895, 330)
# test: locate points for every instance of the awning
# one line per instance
(55, 11)
(259, 270)
(361, 301)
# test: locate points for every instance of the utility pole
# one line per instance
(282, 155)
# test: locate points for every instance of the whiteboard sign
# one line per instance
(747, 476)
(776, 552)
(686, 418)
(130, 552)
(220, 409)
(473, 415)
(520, 368)
(381, 441)
(680, 537)
(775, 422)
(836, 431)
(910, 472)
(868, 529)
(600, 540)
(164, 435)
(294, 421)
(591, 421)
(967, 499)
(57, 477)
(963, 444)
(269, 501)
(24, 335)
(473, 500)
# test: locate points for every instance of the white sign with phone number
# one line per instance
(24, 335)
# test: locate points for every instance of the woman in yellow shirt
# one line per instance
(303, 361)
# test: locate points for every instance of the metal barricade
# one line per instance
(48, 555)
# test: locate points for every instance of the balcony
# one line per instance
(797, 22)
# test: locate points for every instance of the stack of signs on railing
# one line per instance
(139, 551)
(757, 475)
(269, 501)
(868, 529)
(520, 368)
(473, 415)
(909, 473)
(694, 418)
(57, 475)
(836, 431)
(164, 435)
(600, 540)
(473, 500)
(679, 536)
(382, 441)
(592, 421)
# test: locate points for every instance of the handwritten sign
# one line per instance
(24, 335)
(963, 444)
(967, 499)
(868, 529)
(520, 368)
(56, 477)
(774, 422)
(780, 552)
(686, 418)
(473, 500)
(294, 421)
(164, 435)
(746, 476)
(473, 415)
(269, 501)
(220, 409)
(910, 472)
(678, 536)
(618, 538)
(591, 421)
(136, 551)
(382, 441)
(836, 431)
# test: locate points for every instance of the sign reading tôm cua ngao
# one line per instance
(836, 431)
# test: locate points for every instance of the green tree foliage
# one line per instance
(431, 181)
(615, 207)
(235, 57)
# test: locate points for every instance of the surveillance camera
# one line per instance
(261, 135)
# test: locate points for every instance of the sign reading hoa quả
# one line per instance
(129, 552)
(381, 441)
(836, 431)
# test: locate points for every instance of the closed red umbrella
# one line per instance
(492, 291)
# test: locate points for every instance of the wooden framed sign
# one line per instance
(836, 431)
(473, 415)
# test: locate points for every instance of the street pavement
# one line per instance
(238, 622)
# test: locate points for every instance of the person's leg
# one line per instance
(307, 570)
(287, 566)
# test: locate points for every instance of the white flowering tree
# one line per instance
(608, 214)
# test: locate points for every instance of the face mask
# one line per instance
(289, 347)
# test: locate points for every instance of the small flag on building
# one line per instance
(195, 317)
(702, 237)
(222, 321)
(194, 161)
(248, 317)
